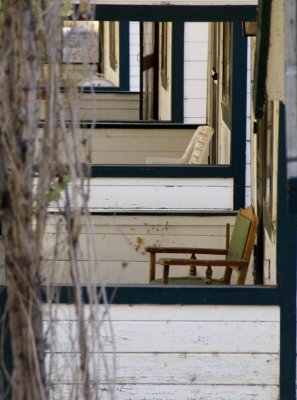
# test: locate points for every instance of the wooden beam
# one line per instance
(261, 57)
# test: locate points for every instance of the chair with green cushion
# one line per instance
(237, 255)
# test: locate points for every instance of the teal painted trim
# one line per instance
(124, 55)
(261, 57)
(177, 95)
(286, 268)
(113, 12)
(158, 171)
(238, 114)
(187, 295)
(135, 125)
(292, 195)
(165, 213)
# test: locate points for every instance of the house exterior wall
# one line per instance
(160, 194)
(134, 50)
(195, 72)
(118, 243)
(172, 352)
(101, 107)
(276, 56)
(275, 93)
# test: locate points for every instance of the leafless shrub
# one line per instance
(42, 169)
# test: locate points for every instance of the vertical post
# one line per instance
(238, 114)
(286, 265)
(177, 94)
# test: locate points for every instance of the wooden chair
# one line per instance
(237, 254)
(196, 151)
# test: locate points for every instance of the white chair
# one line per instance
(195, 152)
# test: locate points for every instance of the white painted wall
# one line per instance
(160, 194)
(276, 58)
(134, 48)
(249, 125)
(275, 92)
(171, 352)
(195, 72)
(112, 248)
(100, 106)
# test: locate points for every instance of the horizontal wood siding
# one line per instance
(134, 56)
(133, 146)
(159, 194)
(119, 243)
(171, 352)
(100, 106)
(195, 75)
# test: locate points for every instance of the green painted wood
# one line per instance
(136, 125)
(177, 96)
(203, 13)
(170, 213)
(238, 114)
(239, 238)
(159, 294)
(292, 196)
(124, 55)
(286, 272)
(141, 171)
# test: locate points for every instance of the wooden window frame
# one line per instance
(113, 61)
(164, 55)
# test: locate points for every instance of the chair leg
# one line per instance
(165, 274)
(152, 266)
(193, 270)
(208, 275)
(227, 275)
(242, 275)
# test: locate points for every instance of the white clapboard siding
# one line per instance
(134, 56)
(172, 392)
(101, 106)
(248, 128)
(195, 71)
(169, 352)
(131, 146)
(158, 194)
(119, 242)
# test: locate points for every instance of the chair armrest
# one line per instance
(202, 263)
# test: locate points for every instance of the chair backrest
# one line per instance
(201, 144)
(195, 152)
(198, 145)
(242, 241)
